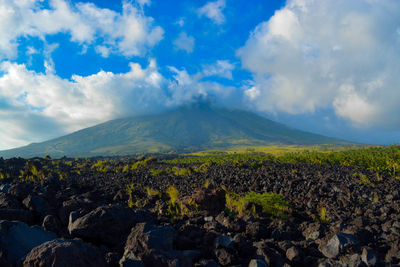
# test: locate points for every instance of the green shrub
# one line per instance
(129, 190)
(173, 194)
(270, 203)
(151, 193)
(157, 172)
(322, 215)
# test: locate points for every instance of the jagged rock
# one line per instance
(9, 202)
(130, 261)
(212, 201)
(243, 246)
(223, 241)
(224, 256)
(64, 253)
(270, 255)
(189, 237)
(17, 239)
(313, 231)
(51, 223)
(257, 263)
(255, 230)
(68, 206)
(352, 260)
(146, 237)
(229, 223)
(105, 225)
(36, 204)
(369, 256)
(337, 244)
(16, 215)
(4, 188)
(293, 253)
(207, 263)
(20, 190)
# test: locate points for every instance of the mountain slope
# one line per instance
(184, 129)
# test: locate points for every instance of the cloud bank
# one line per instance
(338, 54)
(129, 33)
(62, 106)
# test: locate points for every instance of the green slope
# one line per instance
(184, 129)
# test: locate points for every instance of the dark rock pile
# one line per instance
(334, 219)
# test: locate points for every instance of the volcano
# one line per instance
(187, 129)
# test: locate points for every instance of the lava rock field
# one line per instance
(94, 213)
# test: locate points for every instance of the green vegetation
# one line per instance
(177, 208)
(381, 160)
(206, 183)
(322, 215)
(157, 172)
(129, 190)
(253, 203)
(151, 192)
(100, 165)
(364, 180)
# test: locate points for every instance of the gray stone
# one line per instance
(208, 263)
(106, 224)
(257, 263)
(352, 260)
(313, 231)
(369, 256)
(37, 204)
(223, 241)
(293, 253)
(16, 215)
(223, 256)
(130, 260)
(337, 244)
(51, 223)
(145, 237)
(9, 202)
(208, 219)
(4, 188)
(17, 239)
(65, 253)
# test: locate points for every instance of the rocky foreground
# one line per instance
(110, 215)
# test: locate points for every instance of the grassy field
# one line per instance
(278, 149)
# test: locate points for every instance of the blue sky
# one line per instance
(330, 67)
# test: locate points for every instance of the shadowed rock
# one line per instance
(64, 253)
(17, 239)
(106, 224)
(337, 244)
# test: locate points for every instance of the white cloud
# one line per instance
(187, 88)
(36, 106)
(222, 68)
(184, 42)
(181, 22)
(337, 54)
(130, 33)
(30, 50)
(213, 11)
(143, 2)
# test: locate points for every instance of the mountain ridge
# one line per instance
(186, 129)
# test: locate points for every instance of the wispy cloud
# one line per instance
(184, 42)
(213, 11)
(222, 68)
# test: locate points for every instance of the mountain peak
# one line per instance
(195, 127)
